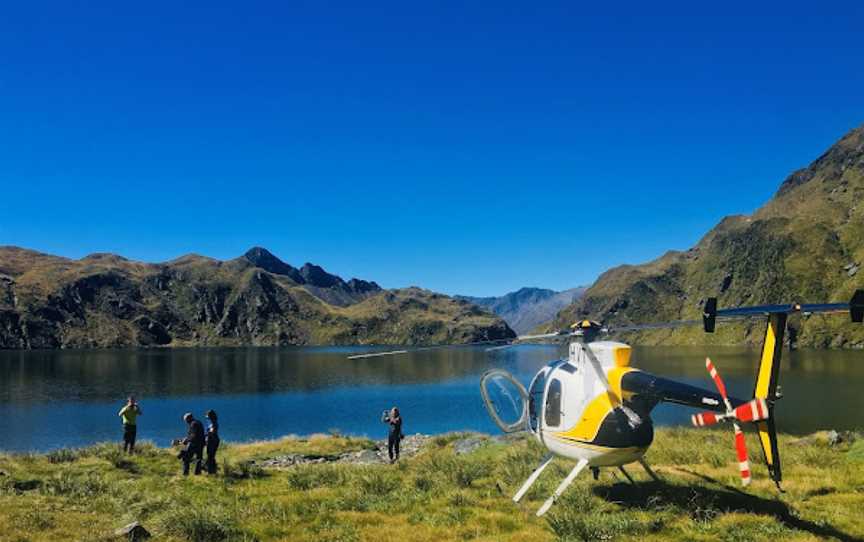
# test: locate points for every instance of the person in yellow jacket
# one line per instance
(129, 414)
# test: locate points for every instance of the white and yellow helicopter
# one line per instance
(595, 408)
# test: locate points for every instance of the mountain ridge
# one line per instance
(106, 300)
(528, 307)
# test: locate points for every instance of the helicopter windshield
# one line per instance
(505, 399)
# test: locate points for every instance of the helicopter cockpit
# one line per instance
(513, 408)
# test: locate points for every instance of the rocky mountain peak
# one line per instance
(316, 276)
(263, 258)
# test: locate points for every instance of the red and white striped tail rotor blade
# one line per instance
(752, 411)
(704, 419)
(741, 450)
(721, 387)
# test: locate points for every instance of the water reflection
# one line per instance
(56, 398)
(102, 374)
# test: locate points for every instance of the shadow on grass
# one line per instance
(703, 503)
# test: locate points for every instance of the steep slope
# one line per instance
(527, 308)
(105, 300)
(806, 244)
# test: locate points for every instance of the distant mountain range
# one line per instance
(806, 244)
(105, 300)
(527, 308)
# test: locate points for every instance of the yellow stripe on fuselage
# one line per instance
(615, 376)
(589, 423)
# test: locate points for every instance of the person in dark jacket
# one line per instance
(212, 441)
(194, 442)
(394, 420)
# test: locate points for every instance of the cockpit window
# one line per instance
(553, 404)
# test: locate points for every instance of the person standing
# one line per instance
(394, 420)
(212, 441)
(129, 415)
(194, 442)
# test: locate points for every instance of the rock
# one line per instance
(367, 457)
(852, 271)
(132, 532)
(805, 441)
(467, 445)
(26, 485)
(839, 437)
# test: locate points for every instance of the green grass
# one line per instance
(437, 495)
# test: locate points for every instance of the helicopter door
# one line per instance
(535, 400)
(505, 399)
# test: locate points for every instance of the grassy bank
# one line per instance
(436, 495)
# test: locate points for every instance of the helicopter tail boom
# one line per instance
(654, 389)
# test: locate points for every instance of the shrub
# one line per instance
(202, 524)
(570, 524)
(63, 455)
(245, 470)
(378, 482)
(305, 477)
(65, 483)
(466, 472)
(38, 519)
(424, 483)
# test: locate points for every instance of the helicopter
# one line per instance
(595, 408)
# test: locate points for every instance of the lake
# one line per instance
(51, 399)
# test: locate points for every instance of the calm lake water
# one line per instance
(51, 399)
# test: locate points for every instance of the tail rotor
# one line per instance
(751, 411)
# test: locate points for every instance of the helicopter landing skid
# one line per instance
(533, 478)
(562, 487)
(626, 474)
(650, 472)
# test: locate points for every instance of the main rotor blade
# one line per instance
(424, 348)
(521, 338)
(659, 325)
(855, 308)
(377, 354)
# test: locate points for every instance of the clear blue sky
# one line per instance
(466, 147)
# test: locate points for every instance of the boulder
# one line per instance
(132, 532)
(467, 445)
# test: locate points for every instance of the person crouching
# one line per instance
(194, 443)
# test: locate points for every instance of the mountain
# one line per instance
(527, 308)
(805, 244)
(105, 300)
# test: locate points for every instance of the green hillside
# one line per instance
(806, 244)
